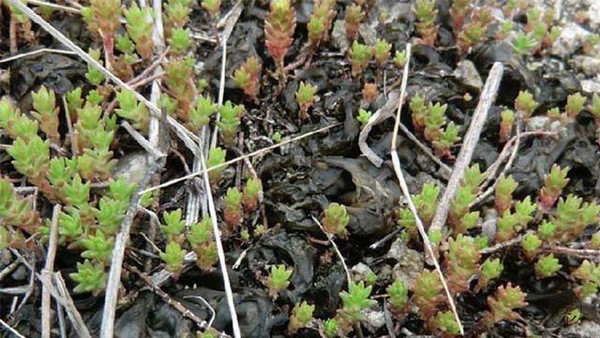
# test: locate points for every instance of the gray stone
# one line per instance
(589, 65)
(360, 271)
(538, 122)
(467, 74)
(410, 263)
(374, 318)
(592, 13)
(572, 36)
(585, 329)
(131, 167)
(338, 36)
(590, 86)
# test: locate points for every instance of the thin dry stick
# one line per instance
(240, 158)
(74, 315)
(71, 134)
(582, 253)
(9, 269)
(213, 314)
(118, 254)
(48, 268)
(9, 328)
(54, 6)
(446, 170)
(35, 52)
(220, 252)
(406, 193)
(148, 146)
(488, 96)
(335, 247)
(502, 245)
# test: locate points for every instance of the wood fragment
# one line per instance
(488, 96)
(47, 271)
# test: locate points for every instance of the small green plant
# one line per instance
(504, 189)
(572, 217)
(178, 73)
(507, 224)
(360, 55)
(426, 203)
(98, 247)
(524, 43)
(132, 110)
(203, 244)
(363, 116)
(356, 299)
(200, 115)
(427, 293)
(279, 279)
(216, 157)
(230, 121)
(459, 216)
(503, 303)
(232, 214)
(426, 14)
(102, 18)
(46, 112)
(15, 211)
(180, 41)
(523, 211)
(301, 316)
(139, 27)
(400, 59)
(462, 262)
(575, 103)
(32, 158)
(547, 266)
(382, 52)
(320, 22)
(173, 226)
(330, 328)
(445, 322)
(306, 98)
(280, 25)
(507, 120)
(251, 195)
(490, 269)
(247, 77)
(525, 104)
(335, 220)
(530, 244)
(546, 230)
(419, 113)
(213, 7)
(173, 257)
(177, 14)
(354, 15)
(554, 182)
(588, 274)
(89, 277)
(398, 292)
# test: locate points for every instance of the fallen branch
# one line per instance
(488, 95)
(335, 248)
(406, 193)
(47, 271)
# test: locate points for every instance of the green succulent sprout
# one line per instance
(445, 322)
(306, 98)
(89, 277)
(46, 112)
(203, 244)
(174, 226)
(575, 103)
(360, 55)
(200, 115)
(216, 157)
(213, 7)
(301, 316)
(233, 207)
(98, 247)
(363, 116)
(173, 257)
(335, 220)
(530, 244)
(382, 52)
(250, 197)
(132, 110)
(490, 269)
(547, 266)
(398, 292)
(524, 43)
(330, 328)
(503, 303)
(180, 41)
(279, 279)
(356, 299)
(400, 59)
(230, 121)
(525, 104)
(504, 189)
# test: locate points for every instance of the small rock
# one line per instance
(571, 37)
(410, 263)
(589, 65)
(369, 33)
(360, 271)
(375, 319)
(538, 122)
(467, 74)
(397, 250)
(592, 14)
(338, 36)
(590, 86)
(131, 167)
(20, 273)
(585, 329)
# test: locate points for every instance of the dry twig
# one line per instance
(488, 96)
(47, 271)
(406, 193)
